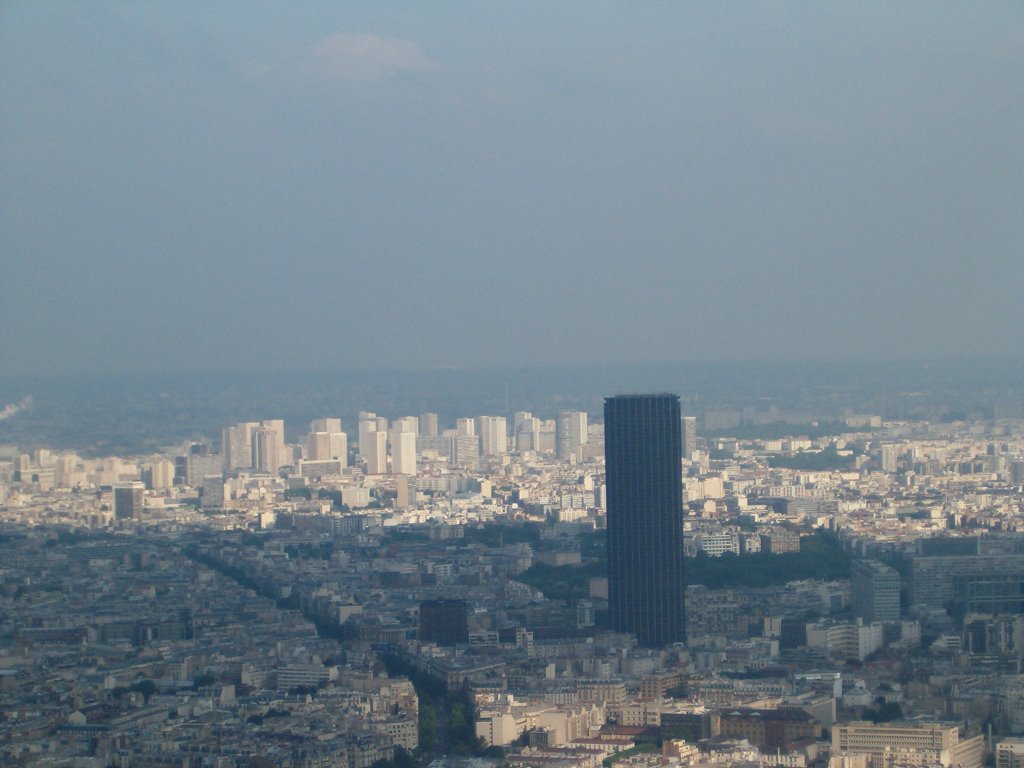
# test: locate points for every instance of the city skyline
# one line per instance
(120, 413)
(379, 612)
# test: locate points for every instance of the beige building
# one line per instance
(908, 744)
(611, 692)
(508, 718)
(1010, 753)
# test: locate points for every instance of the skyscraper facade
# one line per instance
(367, 425)
(875, 591)
(266, 449)
(403, 452)
(236, 446)
(570, 434)
(428, 424)
(527, 432)
(330, 426)
(493, 432)
(377, 452)
(689, 436)
(128, 500)
(318, 446)
(643, 454)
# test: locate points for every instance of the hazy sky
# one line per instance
(220, 186)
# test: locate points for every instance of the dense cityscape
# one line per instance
(399, 591)
(577, 384)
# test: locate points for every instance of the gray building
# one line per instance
(689, 435)
(128, 500)
(875, 591)
(936, 582)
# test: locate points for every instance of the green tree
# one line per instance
(146, 687)
(885, 712)
(427, 727)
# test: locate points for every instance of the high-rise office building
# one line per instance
(875, 591)
(160, 474)
(968, 583)
(318, 446)
(325, 425)
(128, 500)
(570, 434)
(339, 447)
(519, 418)
(403, 445)
(236, 446)
(405, 491)
(326, 446)
(403, 452)
(890, 455)
(689, 436)
(278, 426)
(465, 451)
(493, 432)
(527, 432)
(212, 492)
(428, 424)
(406, 424)
(367, 425)
(266, 449)
(643, 454)
(546, 437)
(199, 464)
(377, 453)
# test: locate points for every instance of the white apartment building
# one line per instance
(845, 640)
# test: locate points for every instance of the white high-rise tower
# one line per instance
(570, 434)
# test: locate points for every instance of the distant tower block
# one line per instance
(236, 446)
(318, 446)
(428, 424)
(875, 591)
(128, 499)
(570, 434)
(689, 436)
(325, 425)
(493, 432)
(266, 456)
(405, 491)
(377, 454)
(403, 453)
(367, 425)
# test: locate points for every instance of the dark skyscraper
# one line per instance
(128, 500)
(444, 622)
(643, 451)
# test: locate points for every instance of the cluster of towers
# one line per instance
(393, 448)
(257, 445)
(645, 438)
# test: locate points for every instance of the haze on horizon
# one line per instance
(236, 186)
